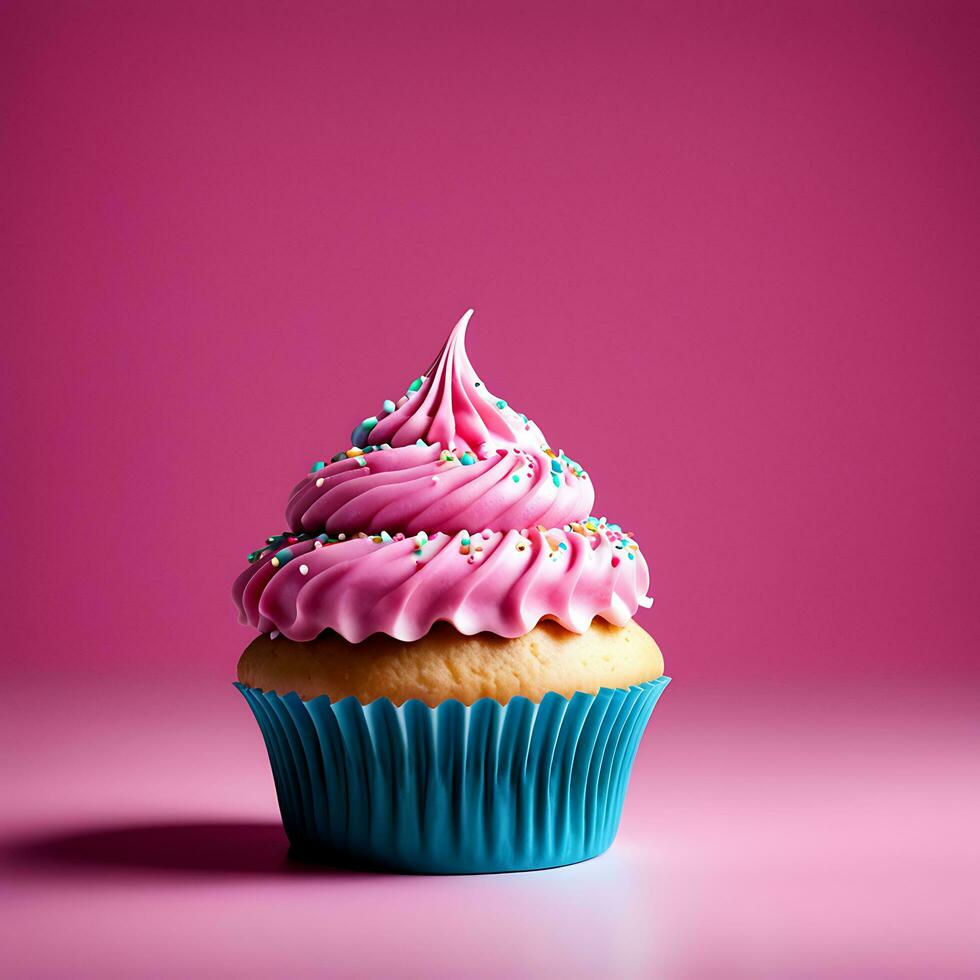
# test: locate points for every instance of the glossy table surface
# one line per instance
(803, 832)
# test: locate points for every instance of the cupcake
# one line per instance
(448, 677)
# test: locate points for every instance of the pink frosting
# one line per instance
(533, 553)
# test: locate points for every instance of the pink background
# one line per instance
(724, 254)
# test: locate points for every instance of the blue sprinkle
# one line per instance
(556, 466)
(388, 406)
(318, 465)
(385, 536)
(322, 538)
(563, 546)
(467, 459)
(338, 457)
(629, 554)
(614, 527)
(421, 442)
(555, 479)
(283, 556)
(524, 418)
(501, 403)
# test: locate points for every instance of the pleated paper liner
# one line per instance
(453, 789)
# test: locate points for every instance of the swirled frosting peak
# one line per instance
(448, 506)
(452, 407)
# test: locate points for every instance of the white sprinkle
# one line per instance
(304, 569)
(274, 635)
(317, 544)
(341, 537)
(319, 482)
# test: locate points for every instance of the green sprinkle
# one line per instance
(281, 557)
(467, 459)
(516, 478)
(416, 384)
(555, 479)
(361, 461)
(370, 423)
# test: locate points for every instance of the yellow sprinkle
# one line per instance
(354, 452)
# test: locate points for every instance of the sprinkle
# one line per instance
(555, 466)
(524, 418)
(416, 384)
(370, 423)
(385, 536)
(304, 569)
(465, 540)
(354, 451)
(421, 442)
(318, 465)
(420, 539)
(555, 479)
(388, 406)
(447, 457)
(338, 457)
(521, 546)
(341, 537)
(467, 459)
(516, 478)
(629, 554)
(615, 560)
(281, 557)
(361, 461)
(317, 544)
(563, 546)
(401, 401)
(501, 403)
(274, 635)
(320, 482)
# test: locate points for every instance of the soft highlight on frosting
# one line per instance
(379, 537)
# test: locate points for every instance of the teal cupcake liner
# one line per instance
(454, 789)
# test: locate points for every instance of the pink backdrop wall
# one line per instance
(724, 254)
